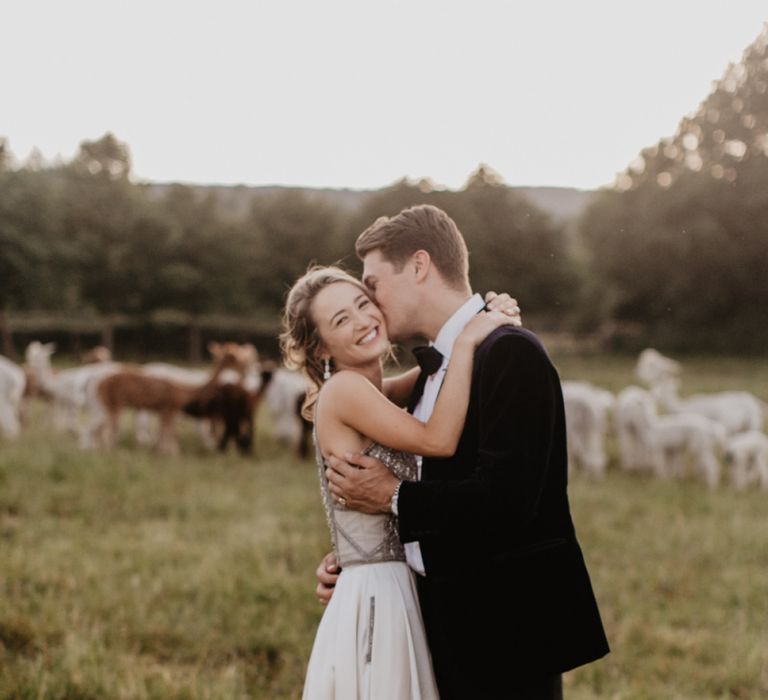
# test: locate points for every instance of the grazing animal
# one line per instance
(586, 422)
(652, 367)
(248, 357)
(632, 416)
(67, 389)
(133, 389)
(233, 408)
(284, 397)
(747, 456)
(665, 444)
(736, 411)
(248, 376)
(100, 353)
(178, 375)
(12, 386)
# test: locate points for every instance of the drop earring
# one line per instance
(327, 369)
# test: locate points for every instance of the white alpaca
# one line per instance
(12, 383)
(633, 414)
(283, 393)
(67, 388)
(665, 444)
(736, 411)
(586, 421)
(747, 455)
(653, 367)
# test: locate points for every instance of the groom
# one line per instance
(504, 591)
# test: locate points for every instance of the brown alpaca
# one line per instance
(131, 389)
(231, 407)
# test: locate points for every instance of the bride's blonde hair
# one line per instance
(300, 341)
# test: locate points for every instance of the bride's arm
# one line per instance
(399, 389)
(359, 405)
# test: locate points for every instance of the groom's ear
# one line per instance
(421, 261)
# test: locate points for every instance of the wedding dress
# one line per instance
(371, 642)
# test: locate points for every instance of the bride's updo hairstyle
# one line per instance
(300, 341)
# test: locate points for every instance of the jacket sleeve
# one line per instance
(517, 396)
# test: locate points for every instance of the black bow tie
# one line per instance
(429, 358)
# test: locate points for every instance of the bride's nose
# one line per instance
(361, 319)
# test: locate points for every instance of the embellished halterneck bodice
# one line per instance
(362, 538)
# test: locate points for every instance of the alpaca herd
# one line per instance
(656, 430)
(87, 401)
(663, 434)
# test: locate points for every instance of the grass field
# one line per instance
(135, 576)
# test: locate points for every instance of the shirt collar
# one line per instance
(455, 324)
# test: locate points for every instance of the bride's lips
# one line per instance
(369, 336)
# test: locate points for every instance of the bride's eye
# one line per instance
(339, 321)
(364, 303)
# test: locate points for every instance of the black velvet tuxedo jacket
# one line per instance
(506, 592)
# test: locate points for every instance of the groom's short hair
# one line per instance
(423, 227)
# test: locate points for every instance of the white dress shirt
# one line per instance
(423, 410)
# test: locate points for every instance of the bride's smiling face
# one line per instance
(350, 325)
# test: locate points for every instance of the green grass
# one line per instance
(130, 575)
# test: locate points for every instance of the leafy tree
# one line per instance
(106, 157)
(5, 154)
(32, 275)
(679, 243)
(287, 231)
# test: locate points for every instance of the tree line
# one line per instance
(81, 239)
(673, 255)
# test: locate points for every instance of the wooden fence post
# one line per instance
(195, 342)
(108, 335)
(7, 334)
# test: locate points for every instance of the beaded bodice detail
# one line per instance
(362, 538)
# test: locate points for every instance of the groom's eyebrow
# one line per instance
(368, 281)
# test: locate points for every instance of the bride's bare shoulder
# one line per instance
(343, 382)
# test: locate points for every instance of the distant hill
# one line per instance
(562, 203)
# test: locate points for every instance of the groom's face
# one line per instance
(394, 292)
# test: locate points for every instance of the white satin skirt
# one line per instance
(371, 644)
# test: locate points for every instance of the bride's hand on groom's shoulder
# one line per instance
(506, 304)
(499, 312)
(480, 327)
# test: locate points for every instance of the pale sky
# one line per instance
(352, 93)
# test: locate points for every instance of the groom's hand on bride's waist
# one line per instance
(361, 483)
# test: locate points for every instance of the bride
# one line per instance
(371, 640)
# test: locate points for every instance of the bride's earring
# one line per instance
(327, 369)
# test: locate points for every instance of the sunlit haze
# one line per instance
(359, 94)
